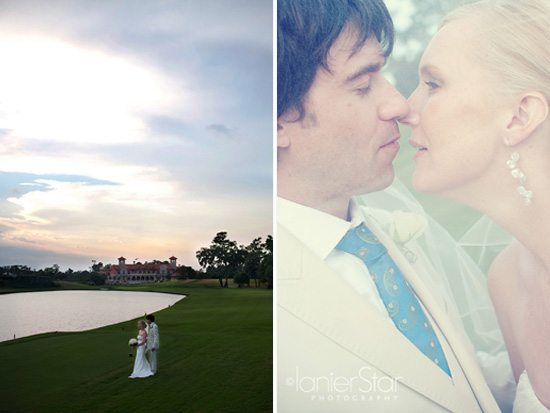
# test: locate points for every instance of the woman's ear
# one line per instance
(530, 111)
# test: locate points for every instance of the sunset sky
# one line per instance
(135, 128)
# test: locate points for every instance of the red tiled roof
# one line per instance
(142, 267)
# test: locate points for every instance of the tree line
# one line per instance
(223, 259)
(22, 276)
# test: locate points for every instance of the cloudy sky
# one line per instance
(135, 128)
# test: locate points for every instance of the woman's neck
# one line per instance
(525, 221)
(497, 196)
(529, 227)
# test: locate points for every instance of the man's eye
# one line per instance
(363, 90)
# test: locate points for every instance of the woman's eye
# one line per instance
(431, 84)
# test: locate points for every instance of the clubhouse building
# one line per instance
(140, 273)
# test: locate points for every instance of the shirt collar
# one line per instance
(319, 231)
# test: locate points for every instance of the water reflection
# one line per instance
(25, 314)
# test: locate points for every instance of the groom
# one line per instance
(152, 341)
(339, 348)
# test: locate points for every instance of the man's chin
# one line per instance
(381, 183)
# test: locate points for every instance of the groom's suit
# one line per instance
(335, 353)
(153, 343)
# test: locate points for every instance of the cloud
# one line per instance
(56, 91)
(220, 130)
(37, 258)
(110, 121)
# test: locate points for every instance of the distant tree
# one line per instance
(64, 275)
(17, 271)
(52, 272)
(96, 279)
(212, 273)
(83, 277)
(223, 255)
(97, 267)
(266, 266)
(185, 272)
(241, 278)
(253, 254)
(202, 275)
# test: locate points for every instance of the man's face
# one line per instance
(347, 140)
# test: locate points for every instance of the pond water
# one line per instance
(26, 314)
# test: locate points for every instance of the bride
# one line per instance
(480, 124)
(142, 368)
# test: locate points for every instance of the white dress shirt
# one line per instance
(321, 232)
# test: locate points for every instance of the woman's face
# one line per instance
(454, 113)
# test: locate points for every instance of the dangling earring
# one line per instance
(516, 173)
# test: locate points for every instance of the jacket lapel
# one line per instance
(313, 292)
(457, 341)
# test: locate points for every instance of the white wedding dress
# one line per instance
(526, 399)
(142, 368)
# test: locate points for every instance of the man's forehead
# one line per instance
(349, 42)
(348, 58)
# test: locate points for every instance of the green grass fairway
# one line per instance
(215, 356)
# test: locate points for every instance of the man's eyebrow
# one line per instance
(372, 68)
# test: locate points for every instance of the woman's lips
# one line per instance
(417, 146)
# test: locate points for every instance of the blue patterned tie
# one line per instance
(395, 291)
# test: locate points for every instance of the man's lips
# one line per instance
(393, 141)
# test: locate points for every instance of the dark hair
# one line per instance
(306, 29)
(150, 317)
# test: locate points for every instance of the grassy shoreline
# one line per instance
(68, 285)
(215, 356)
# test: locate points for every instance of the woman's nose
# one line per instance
(412, 117)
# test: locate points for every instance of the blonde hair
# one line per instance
(514, 41)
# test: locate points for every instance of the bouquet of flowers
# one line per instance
(133, 342)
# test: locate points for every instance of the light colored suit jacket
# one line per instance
(153, 336)
(335, 353)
